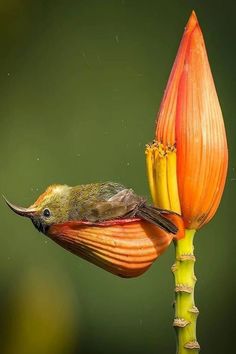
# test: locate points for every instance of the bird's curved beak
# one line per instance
(27, 212)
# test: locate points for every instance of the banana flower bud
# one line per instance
(187, 162)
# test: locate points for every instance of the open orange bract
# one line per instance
(125, 247)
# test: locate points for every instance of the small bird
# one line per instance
(96, 202)
(66, 213)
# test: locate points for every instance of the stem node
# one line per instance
(180, 322)
(192, 345)
(187, 257)
(174, 268)
(184, 288)
(194, 309)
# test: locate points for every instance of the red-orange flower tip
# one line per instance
(190, 119)
(192, 22)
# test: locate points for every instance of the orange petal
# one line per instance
(202, 156)
(190, 117)
(126, 249)
(165, 124)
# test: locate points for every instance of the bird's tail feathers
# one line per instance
(156, 217)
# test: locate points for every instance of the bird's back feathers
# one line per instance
(106, 201)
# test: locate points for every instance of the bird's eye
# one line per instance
(46, 213)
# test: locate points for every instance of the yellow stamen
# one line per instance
(163, 201)
(172, 180)
(150, 171)
(161, 170)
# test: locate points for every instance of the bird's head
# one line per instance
(52, 207)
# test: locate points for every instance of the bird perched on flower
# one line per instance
(101, 221)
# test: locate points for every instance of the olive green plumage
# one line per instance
(101, 201)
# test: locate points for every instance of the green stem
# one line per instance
(185, 310)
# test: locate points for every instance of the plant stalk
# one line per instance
(185, 310)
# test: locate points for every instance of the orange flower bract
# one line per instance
(125, 247)
(190, 119)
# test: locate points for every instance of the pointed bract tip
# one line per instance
(192, 22)
(194, 16)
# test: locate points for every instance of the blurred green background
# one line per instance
(80, 84)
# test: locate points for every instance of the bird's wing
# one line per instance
(116, 206)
